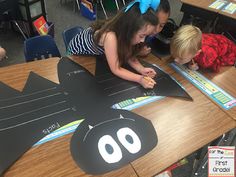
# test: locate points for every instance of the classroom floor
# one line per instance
(64, 17)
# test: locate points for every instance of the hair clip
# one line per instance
(144, 5)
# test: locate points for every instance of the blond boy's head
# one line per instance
(186, 43)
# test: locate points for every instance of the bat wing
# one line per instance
(27, 117)
(119, 90)
(6, 91)
(83, 90)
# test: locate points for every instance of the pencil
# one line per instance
(149, 79)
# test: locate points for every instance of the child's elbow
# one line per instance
(115, 71)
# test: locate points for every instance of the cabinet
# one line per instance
(31, 10)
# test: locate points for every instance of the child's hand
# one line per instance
(2, 54)
(148, 72)
(144, 51)
(193, 66)
(147, 82)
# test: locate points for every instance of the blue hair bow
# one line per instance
(144, 5)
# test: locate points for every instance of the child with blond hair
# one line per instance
(207, 51)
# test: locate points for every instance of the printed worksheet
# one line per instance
(230, 8)
(218, 4)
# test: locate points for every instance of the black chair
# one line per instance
(9, 11)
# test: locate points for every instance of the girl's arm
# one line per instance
(134, 63)
(110, 47)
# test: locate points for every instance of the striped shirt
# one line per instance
(84, 44)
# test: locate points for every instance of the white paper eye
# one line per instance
(129, 139)
(109, 149)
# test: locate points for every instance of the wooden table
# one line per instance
(225, 79)
(232, 16)
(53, 158)
(182, 127)
(203, 4)
(227, 21)
(200, 8)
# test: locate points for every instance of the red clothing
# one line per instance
(217, 51)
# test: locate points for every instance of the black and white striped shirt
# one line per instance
(83, 44)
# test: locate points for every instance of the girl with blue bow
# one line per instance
(118, 39)
(144, 5)
(163, 14)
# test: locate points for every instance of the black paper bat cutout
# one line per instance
(24, 117)
(108, 139)
(118, 89)
(119, 139)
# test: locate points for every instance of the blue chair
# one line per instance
(68, 34)
(40, 47)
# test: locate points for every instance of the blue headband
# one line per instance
(144, 5)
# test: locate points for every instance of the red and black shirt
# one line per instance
(217, 51)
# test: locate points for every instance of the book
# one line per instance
(41, 26)
(87, 9)
(88, 5)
